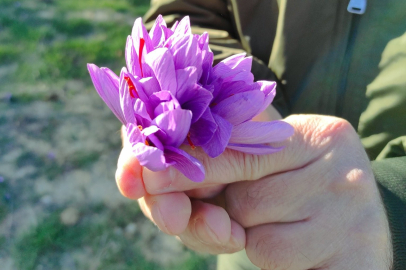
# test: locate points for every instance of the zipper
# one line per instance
(360, 6)
(357, 6)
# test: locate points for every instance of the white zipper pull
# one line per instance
(357, 6)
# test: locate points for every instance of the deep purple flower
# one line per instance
(192, 63)
(170, 95)
(236, 100)
(158, 98)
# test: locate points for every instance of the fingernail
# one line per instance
(204, 233)
(234, 243)
(158, 181)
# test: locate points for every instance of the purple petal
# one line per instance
(244, 75)
(106, 86)
(166, 106)
(150, 85)
(240, 107)
(185, 163)
(157, 32)
(207, 58)
(186, 79)
(151, 157)
(126, 101)
(255, 149)
(183, 28)
(149, 130)
(232, 66)
(113, 77)
(141, 110)
(220, 139)
(231, 88)
(139, 89)
(160, 102)
(202, 131)
(157, 143)
(174, 26)
(161, 62)
(161, 96)
(175, 125)
(134, 135)
(261, 132)
(204, 41)
(168, 32)
(269, 89)
(139, 31)
(131, 58)
(198, 101)
(186, 52)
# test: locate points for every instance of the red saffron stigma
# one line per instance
(190, 142)
(131, 87)
(142, 43)
(146, 143)
(140, 127)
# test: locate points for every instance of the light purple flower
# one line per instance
(236, 100)
(158, 97)
(170, 95)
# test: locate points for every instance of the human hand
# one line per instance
(314, 205)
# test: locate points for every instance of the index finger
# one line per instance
(312, 139)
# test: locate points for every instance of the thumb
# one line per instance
(312, 138)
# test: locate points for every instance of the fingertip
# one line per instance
(171, 212)
(129, 176)
(217, 221)
(237, 238)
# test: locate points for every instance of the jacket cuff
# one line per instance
(391, 177)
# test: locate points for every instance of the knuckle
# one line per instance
(325, 131)
(354, 181)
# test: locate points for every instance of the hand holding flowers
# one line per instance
(170, 95)
(314, 205)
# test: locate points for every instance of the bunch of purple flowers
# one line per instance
(170, 94)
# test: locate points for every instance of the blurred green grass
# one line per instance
(53, 124)
(51, 240)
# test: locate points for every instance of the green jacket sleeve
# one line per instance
(218, 18)
(382, 129)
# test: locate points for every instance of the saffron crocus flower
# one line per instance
(170, 95)
(159, 98)
(156, 125)
(177, 54)
(236, 100)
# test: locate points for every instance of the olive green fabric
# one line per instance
(390, 174)
(384, 119)
(326, 61)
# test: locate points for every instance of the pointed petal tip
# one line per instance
(197, 178)
(91, 67)
(188, 165)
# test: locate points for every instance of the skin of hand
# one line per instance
(314, 205)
